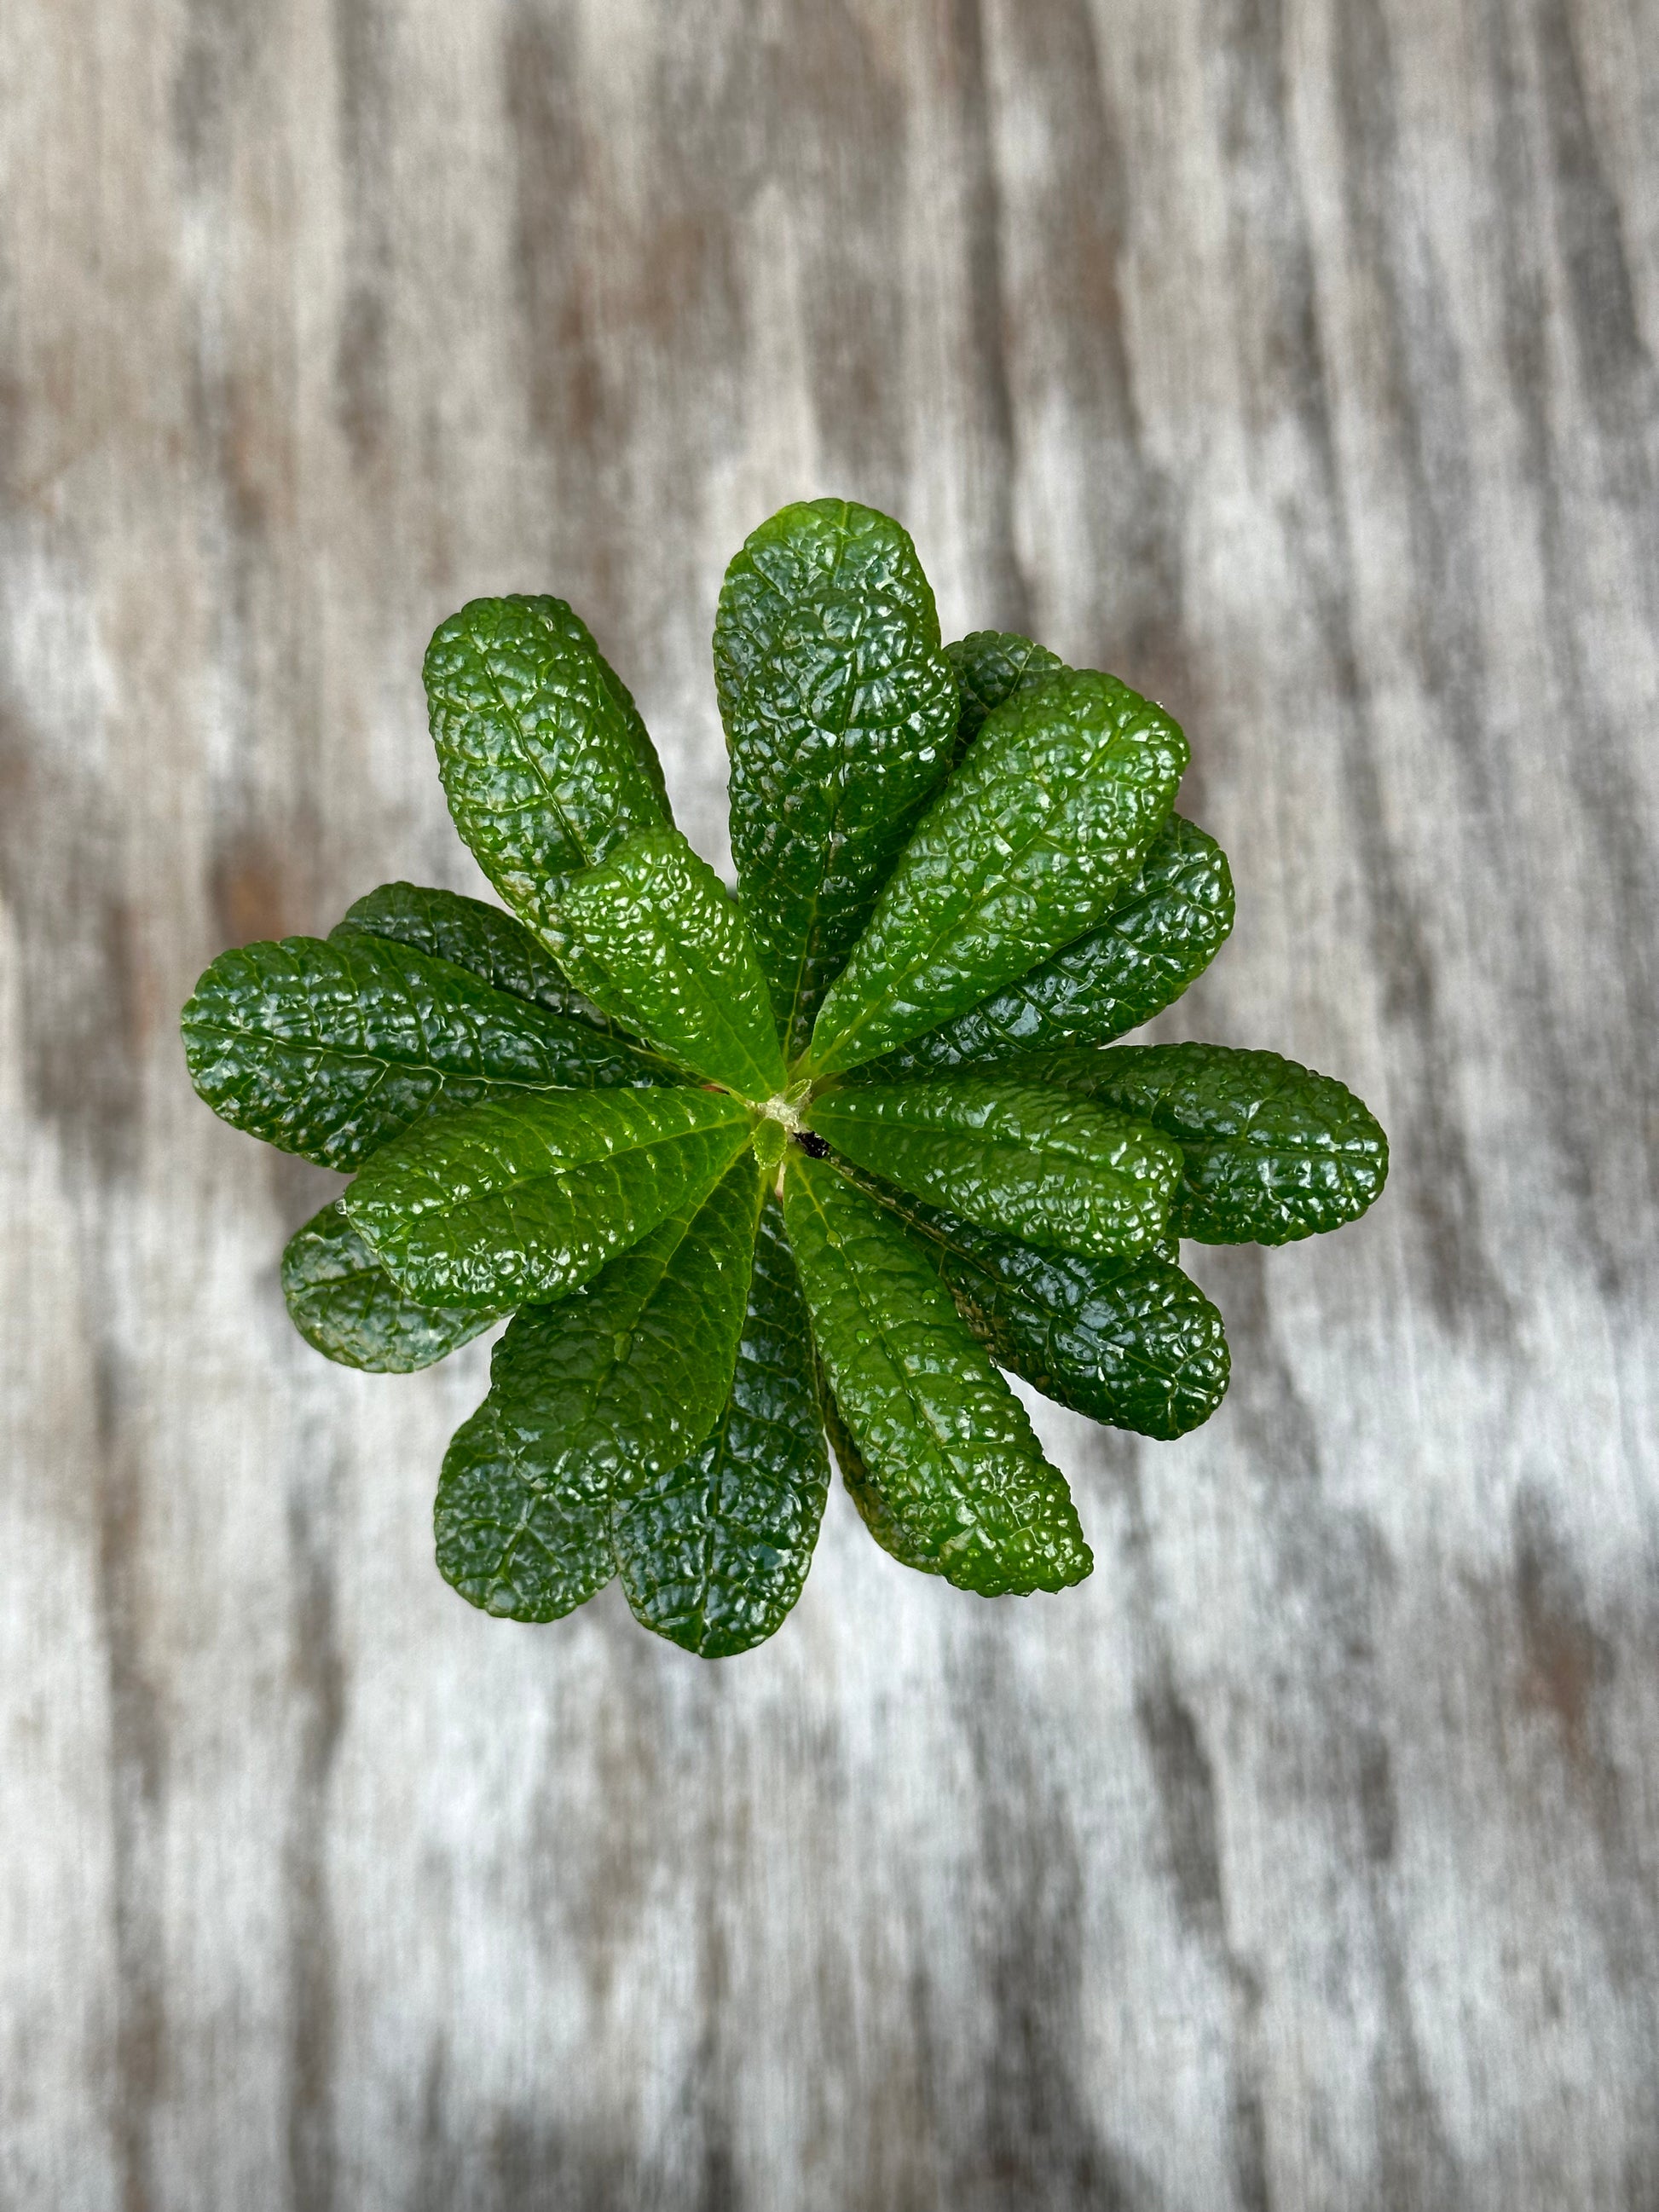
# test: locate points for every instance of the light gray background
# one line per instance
(1296, 359)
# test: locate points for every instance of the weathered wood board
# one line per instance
(1296, 360)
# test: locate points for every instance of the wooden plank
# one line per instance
(1296, 359)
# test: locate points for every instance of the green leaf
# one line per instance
(714, 1553)
(1271, 1150)
(544, 760)
(861, 1486)
(1164, 932)
(508, 1539)
(331, 1049)
(484, 940)
(656, 941)
(992, 666)
(945, 1445)
(1135, 1343)
(769, 1141)
(1051, 1168)
(589, 1397)
(345, 1304)
(501, 1206)
(840, 713)
(1029, 845)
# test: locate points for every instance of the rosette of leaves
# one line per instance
(826, 1156)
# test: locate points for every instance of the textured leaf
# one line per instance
(331, 1049)
(992, 666)
(588, 1397)
(345, 1304)
(861, 1486)
(481, 939)
(509, 1540)
(499, 1206)
(1271, 1150)
(1132, 1342)
(1038, 1165)
(839, 712)
(655, 939)
(1162, 933)
(945, 1444)
(713, 1552)
(1029, 845)
(544, 760)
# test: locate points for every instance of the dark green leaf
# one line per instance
(544, 761)
(344, 1303)
(860, 1485)
(655, 939)
(500, 1205)
(509, 1540)
(1132, 1342)
(1164, 931)
(1029, 846)
(587, 1398)
(329, 1049)
(991, 667)
(945, 1446)
(1272, 1152)
(714, 1553)
(484, 940)
(839, 712)
(1035, 1164)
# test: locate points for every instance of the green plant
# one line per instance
(824, 1157)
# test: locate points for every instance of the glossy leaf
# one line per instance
(713, 1552)
(1035, 1164)
(1162, 933)
(544, 760)
(1029, 846)
(499, 1205)
(344, 1303)
(769, 1141)
(484, 940)
(992, 666)
(861, 1486)
(512, 1539)
(946, 1447)
(1271, 1151)
(1135, 1343)
(331, 1049)
(822, 1160)
(841, 712)
(656, 940)
(587, 1398)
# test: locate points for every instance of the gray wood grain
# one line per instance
(1296, 360)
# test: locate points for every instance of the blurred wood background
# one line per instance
(1295, 359)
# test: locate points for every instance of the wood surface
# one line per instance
(1295, 359)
